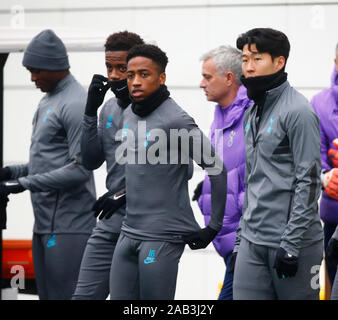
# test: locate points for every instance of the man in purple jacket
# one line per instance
(221, 73)
(325, 104)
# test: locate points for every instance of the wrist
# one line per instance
(322, 175)
(91, 112)
(212, 232)
(289, 250)
(6, 174)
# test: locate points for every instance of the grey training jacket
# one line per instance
(98, 144)
(157, 174)
(62, 190)
(282, 175)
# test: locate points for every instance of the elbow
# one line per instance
(90, 165)
(88, 162)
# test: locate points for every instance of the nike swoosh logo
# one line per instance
(117, 89)
(115, 197)
(147, 261)
(50, 244)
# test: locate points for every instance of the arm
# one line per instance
(202, 152)
(72, 173)
(304, 137)
(91, 146)
(91, 143)
(18, 171)
(244, 173)
(332, 249)
(239, 229)
(241, 187)
(325, 143)
(65, 177)
(240, 203)
(335, 234)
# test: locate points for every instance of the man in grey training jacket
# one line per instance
(159, 219)
(98, 145)
(279, 241)
(62, 190)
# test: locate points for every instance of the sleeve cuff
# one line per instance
(24, 182)
(289, 249)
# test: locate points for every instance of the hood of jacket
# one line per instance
(334, 84)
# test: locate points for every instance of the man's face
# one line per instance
(213, 84)
(116, 64)
(143, 77)
(256, 64)
(44, 80)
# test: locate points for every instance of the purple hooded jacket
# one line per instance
(227, 137)
(325, 104)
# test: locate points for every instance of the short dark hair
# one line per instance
(268, 40)
(152, 52)
(122, 41)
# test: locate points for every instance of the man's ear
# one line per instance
(229, 78)
(162, 78)
(279, 63)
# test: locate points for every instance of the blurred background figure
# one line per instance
(221, 72)
(62, 190)
(325, 104)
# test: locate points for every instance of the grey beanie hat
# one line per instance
(46, 51)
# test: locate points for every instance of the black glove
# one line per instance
(96, 92)
(286, 265)
(11, 186)
(232, 262)
(5, 174)
(201, 238)
(3, 216)
(332, 252)
(197, 191)
(107, 204)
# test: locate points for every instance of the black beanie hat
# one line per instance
(46, 51)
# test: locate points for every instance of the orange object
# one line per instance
(330, 183)
(335, 142)
(333, 153)
(17, 252)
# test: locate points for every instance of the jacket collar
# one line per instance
(273, 94)
(62, 84)
(226, 117)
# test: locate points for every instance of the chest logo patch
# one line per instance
(247, 127)
(125, 131)
(109, 122)
(272, 120)
(146, 141)
(231, 138)
(47, 113)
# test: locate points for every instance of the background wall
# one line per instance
(185, 29)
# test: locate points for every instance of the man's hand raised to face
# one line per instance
(96, 93)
